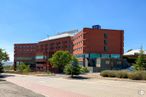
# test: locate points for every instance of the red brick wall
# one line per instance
(51, 46)
(93, 41)
(24, 50)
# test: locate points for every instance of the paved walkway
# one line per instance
(59, 87)
(40, 88)
(8, 89)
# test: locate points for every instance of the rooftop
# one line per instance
(61, 35)
(133, 52)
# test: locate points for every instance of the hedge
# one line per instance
(134, 75)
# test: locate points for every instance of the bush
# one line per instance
(122, 74)
(72, 70)
(23, 68)
(136, 75)
(8, 68)
(84, 70)
(108, 73)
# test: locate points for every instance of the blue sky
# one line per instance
(24, 21)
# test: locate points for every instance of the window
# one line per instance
(40, 57)
(116, 56)
(107, 62)
(105, 56)
(105, 35)
(105, 41)
(92, 55)
(105, 48)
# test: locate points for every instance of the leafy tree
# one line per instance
(3, 57)
(140, 61)
(60, 59)
(73, 68)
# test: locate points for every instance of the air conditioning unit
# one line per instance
(96, 27)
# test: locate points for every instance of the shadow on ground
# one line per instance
(6, 75)
(78, 77)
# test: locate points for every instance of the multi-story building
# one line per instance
(43, 50)
(99, 48)
(47, 47)
(94, 47)
(25, 53)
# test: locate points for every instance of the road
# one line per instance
(61, 87)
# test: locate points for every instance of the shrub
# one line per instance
(84, 70)
(73, 68)
(8, 68)
(122, 74)
(23, 68)
(108, 73)
(144, 75)
(135, 75)
(104, 73)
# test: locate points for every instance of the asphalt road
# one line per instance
(8, 89)
(60, 87)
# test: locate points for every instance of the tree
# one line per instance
(3, 57)
(73, 68)
(140, 61)
(60, 59)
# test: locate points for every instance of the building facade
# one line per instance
(98, 48)
(43, 50)
(94, 47)
(25, 53)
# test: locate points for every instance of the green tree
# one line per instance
(73, 68)
(60, 59)
(3, 57)
(140, 61)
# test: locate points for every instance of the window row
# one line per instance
(25, 50)
(81, 42)
(78, 37)
(25, 46)
(78, 49)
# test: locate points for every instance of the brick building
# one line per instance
(99, 48)
(94, 47)
(25, 53)
(43, 50)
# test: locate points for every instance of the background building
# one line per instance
(132, 55)
(47, 47)
(25, 53)
(94, 47)
(37, 54)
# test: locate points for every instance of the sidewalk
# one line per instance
(44, 90)
(8, 89)
(61, 87)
